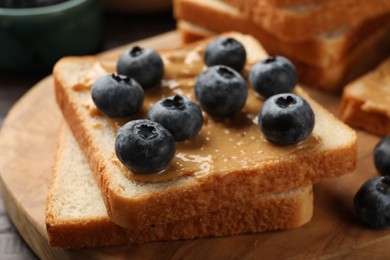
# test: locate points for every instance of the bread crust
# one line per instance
(253, 217)
(286, 210)
(189, 196)
(369, 112)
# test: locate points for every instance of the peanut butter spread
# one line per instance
(374, 91)
(224, 145)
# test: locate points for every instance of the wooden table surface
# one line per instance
(119, 29)
(336, 235)
(28, 143)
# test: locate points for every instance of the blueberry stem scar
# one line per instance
(146, 132)
(284, 102)
(226, 73)
(136, 51)
(270, 59)
(177, 102)
(384, 185)
(120, 78)
(228, 41)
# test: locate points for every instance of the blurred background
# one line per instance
(122, 21)
(116, 22)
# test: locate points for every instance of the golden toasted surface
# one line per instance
(297, 21)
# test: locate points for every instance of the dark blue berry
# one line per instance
(117, 95)
(382, 156)
(180, 115)
(372, 202)
(144, 146)
(225, 51)
(142, 64)
(286, 119)
(272, 76)
(221, 91)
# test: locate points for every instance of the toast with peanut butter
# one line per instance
(365, 102)
(76, 215)
(326, 61)
(227, 163)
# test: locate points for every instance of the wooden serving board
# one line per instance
(27, 149)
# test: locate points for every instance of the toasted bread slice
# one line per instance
(365, 102)
(76, 215)
(363, 57)
(327, 62)
(300, 20)
(227, 163)
(324, 50)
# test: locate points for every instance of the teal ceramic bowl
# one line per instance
(33, 39)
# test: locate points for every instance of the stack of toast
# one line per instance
(228, 180)
(330, 42)
(365, 102)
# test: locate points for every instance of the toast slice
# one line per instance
(76, 215)
(235, 164)
(300, 20)
(326, 62)
(365, 102)
(364, 57)
(323, 50)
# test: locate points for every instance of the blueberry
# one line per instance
(272, 76)
(144, 146)
(143, 64)
(117, 95)
(221, 91)
(225, 51)
(382, 156)
(180, 115)
(372, 202)
(286, 119)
